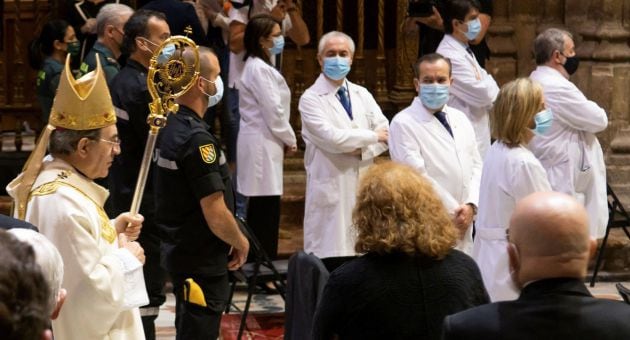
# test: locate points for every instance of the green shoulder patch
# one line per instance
(208, 153)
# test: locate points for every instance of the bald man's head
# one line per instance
(549, 237)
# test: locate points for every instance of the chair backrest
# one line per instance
(617, 214)
(306, 279)
(624, 292)
(255, 247)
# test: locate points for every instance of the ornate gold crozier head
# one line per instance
(81, 104)
(84, 103)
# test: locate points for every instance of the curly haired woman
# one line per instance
(410, 277)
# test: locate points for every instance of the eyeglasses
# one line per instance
(114, 143)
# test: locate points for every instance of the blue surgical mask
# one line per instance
(215, 98)
(474, 28)
(278, 45)
(166, 54)
(434, 96)
(544, 120)
(336, 68)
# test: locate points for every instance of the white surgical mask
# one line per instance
(215, 98)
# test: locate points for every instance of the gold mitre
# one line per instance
(82, 104)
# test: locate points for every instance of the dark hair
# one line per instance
(42, 46)
(24, 292)
(138, 26)
(431, 58)
(455, 9)
(258, 27)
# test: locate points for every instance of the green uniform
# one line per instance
(47, 83)
(108, 61)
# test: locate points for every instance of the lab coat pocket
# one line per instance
(324, 192)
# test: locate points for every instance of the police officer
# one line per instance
(109, 27)
(144, 31)
(195, 204)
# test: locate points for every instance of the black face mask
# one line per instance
(571, 65)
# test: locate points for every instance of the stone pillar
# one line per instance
(500, 39)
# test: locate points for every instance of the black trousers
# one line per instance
(263, 217)
(194, 321)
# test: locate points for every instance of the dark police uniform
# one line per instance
(47, 83)
(180, 15)
(108, 61)
(189, 165)
(131, 99)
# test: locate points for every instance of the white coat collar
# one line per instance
(550, 71)
(454, 43)
(420, 111)
(324, 86)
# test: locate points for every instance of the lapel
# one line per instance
(327, 91)
(460, 49)
(424, 117)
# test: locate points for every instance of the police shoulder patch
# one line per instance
(208, 153)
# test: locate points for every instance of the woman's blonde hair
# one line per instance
(398, 211)
(513, 111)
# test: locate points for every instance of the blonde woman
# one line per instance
(410, 277)
(510, 172)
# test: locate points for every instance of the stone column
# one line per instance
(500, 39)
(606, 77)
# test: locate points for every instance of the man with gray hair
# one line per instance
(569, 150)
(344, 129)
(49, 260)
(109, 29)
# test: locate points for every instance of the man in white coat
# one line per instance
(439, 142)
(344, 129)
(570, 151)
(102, 269)
(473, 90)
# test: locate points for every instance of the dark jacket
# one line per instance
(559, 308)
(397, 296)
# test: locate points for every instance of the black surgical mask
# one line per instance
(571, 65)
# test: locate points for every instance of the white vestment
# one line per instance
(104, 282)
(265, 107)
(473, 90)
(332, 171)
(451, 163)
(570, 151)
(509, 174)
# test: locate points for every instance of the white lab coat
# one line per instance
(332, 172)
(451, 164)
(264, 129)
(509, 174)
(242, 15)
(100, 277)
(473, 90)
(570, 151)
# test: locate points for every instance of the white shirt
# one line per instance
(509, 174)
(332, 172)
(570, 151)
(473, 90)
(451, 163)
(264, 129)
(241, 15)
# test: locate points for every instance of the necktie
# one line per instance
(470, 51)
(441, 116)
(345, 100)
